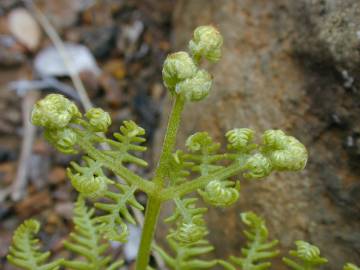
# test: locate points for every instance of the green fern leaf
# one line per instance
(184, 255)
(86, 242)
(258, 249)
(112, 223)
(307, 255)
(25, 249)
(128, 140)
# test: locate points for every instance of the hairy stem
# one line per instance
(154, 204)
(169, 141)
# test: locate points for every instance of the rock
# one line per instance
(274, 74)
(24, 28)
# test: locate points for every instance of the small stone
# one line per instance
(24, 28)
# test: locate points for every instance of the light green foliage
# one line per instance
(88, 180)
(177, 68)
(130, 136)
(189, 220)
(86, 241)
(207, 43)
(63, 139)
(240, 139)
(306, 257)
(350, 266)
(202, 168)
(99, 120)
(184, 255)
(25, 249)
(258, 250)
(115, 210)
(285, 152)
(54, 112)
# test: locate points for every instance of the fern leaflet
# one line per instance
(25, 249)
(258, 248)
(183, 259)
(86, 242)
(307, 255)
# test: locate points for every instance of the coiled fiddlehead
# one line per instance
(258, 249)
(90, 181)
(184, 255)
(86, 241)
(24, 251)
(285, 152)
(205, 157)
(307, 255)
(189, 221)
(220, 193)
(207, 43)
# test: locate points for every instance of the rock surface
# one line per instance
(292, 65)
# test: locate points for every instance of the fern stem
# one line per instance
(154, 203)
(169, 140)
(151, 217)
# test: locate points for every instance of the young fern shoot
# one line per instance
(181, 177)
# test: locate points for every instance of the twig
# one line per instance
(19, 184)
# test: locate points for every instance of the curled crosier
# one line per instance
(220, 193)
(285, 152)
(257, 166)
(88, 180)
(54, 112)
(99, 120)
(239, 138)
(207, 43)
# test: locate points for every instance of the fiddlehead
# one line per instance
(258, 248)
(205, 157)
(183, 258)
(24, 251)
(86, 241)
(70, 132)
(285, 152)
(306, 257)
(88, 180)
(189, 221)
(207, 43)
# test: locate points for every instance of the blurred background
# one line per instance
(293, 65)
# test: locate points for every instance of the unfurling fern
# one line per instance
(307, 255)
(184, 255)
(189, 221)
(86, 241)
(89, 180)
(205, 157)
(112, 222)
(128, 140)
(258, 249)
(25, 249)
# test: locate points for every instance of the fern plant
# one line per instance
(179, 176)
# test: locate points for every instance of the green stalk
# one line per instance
(154, 203)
